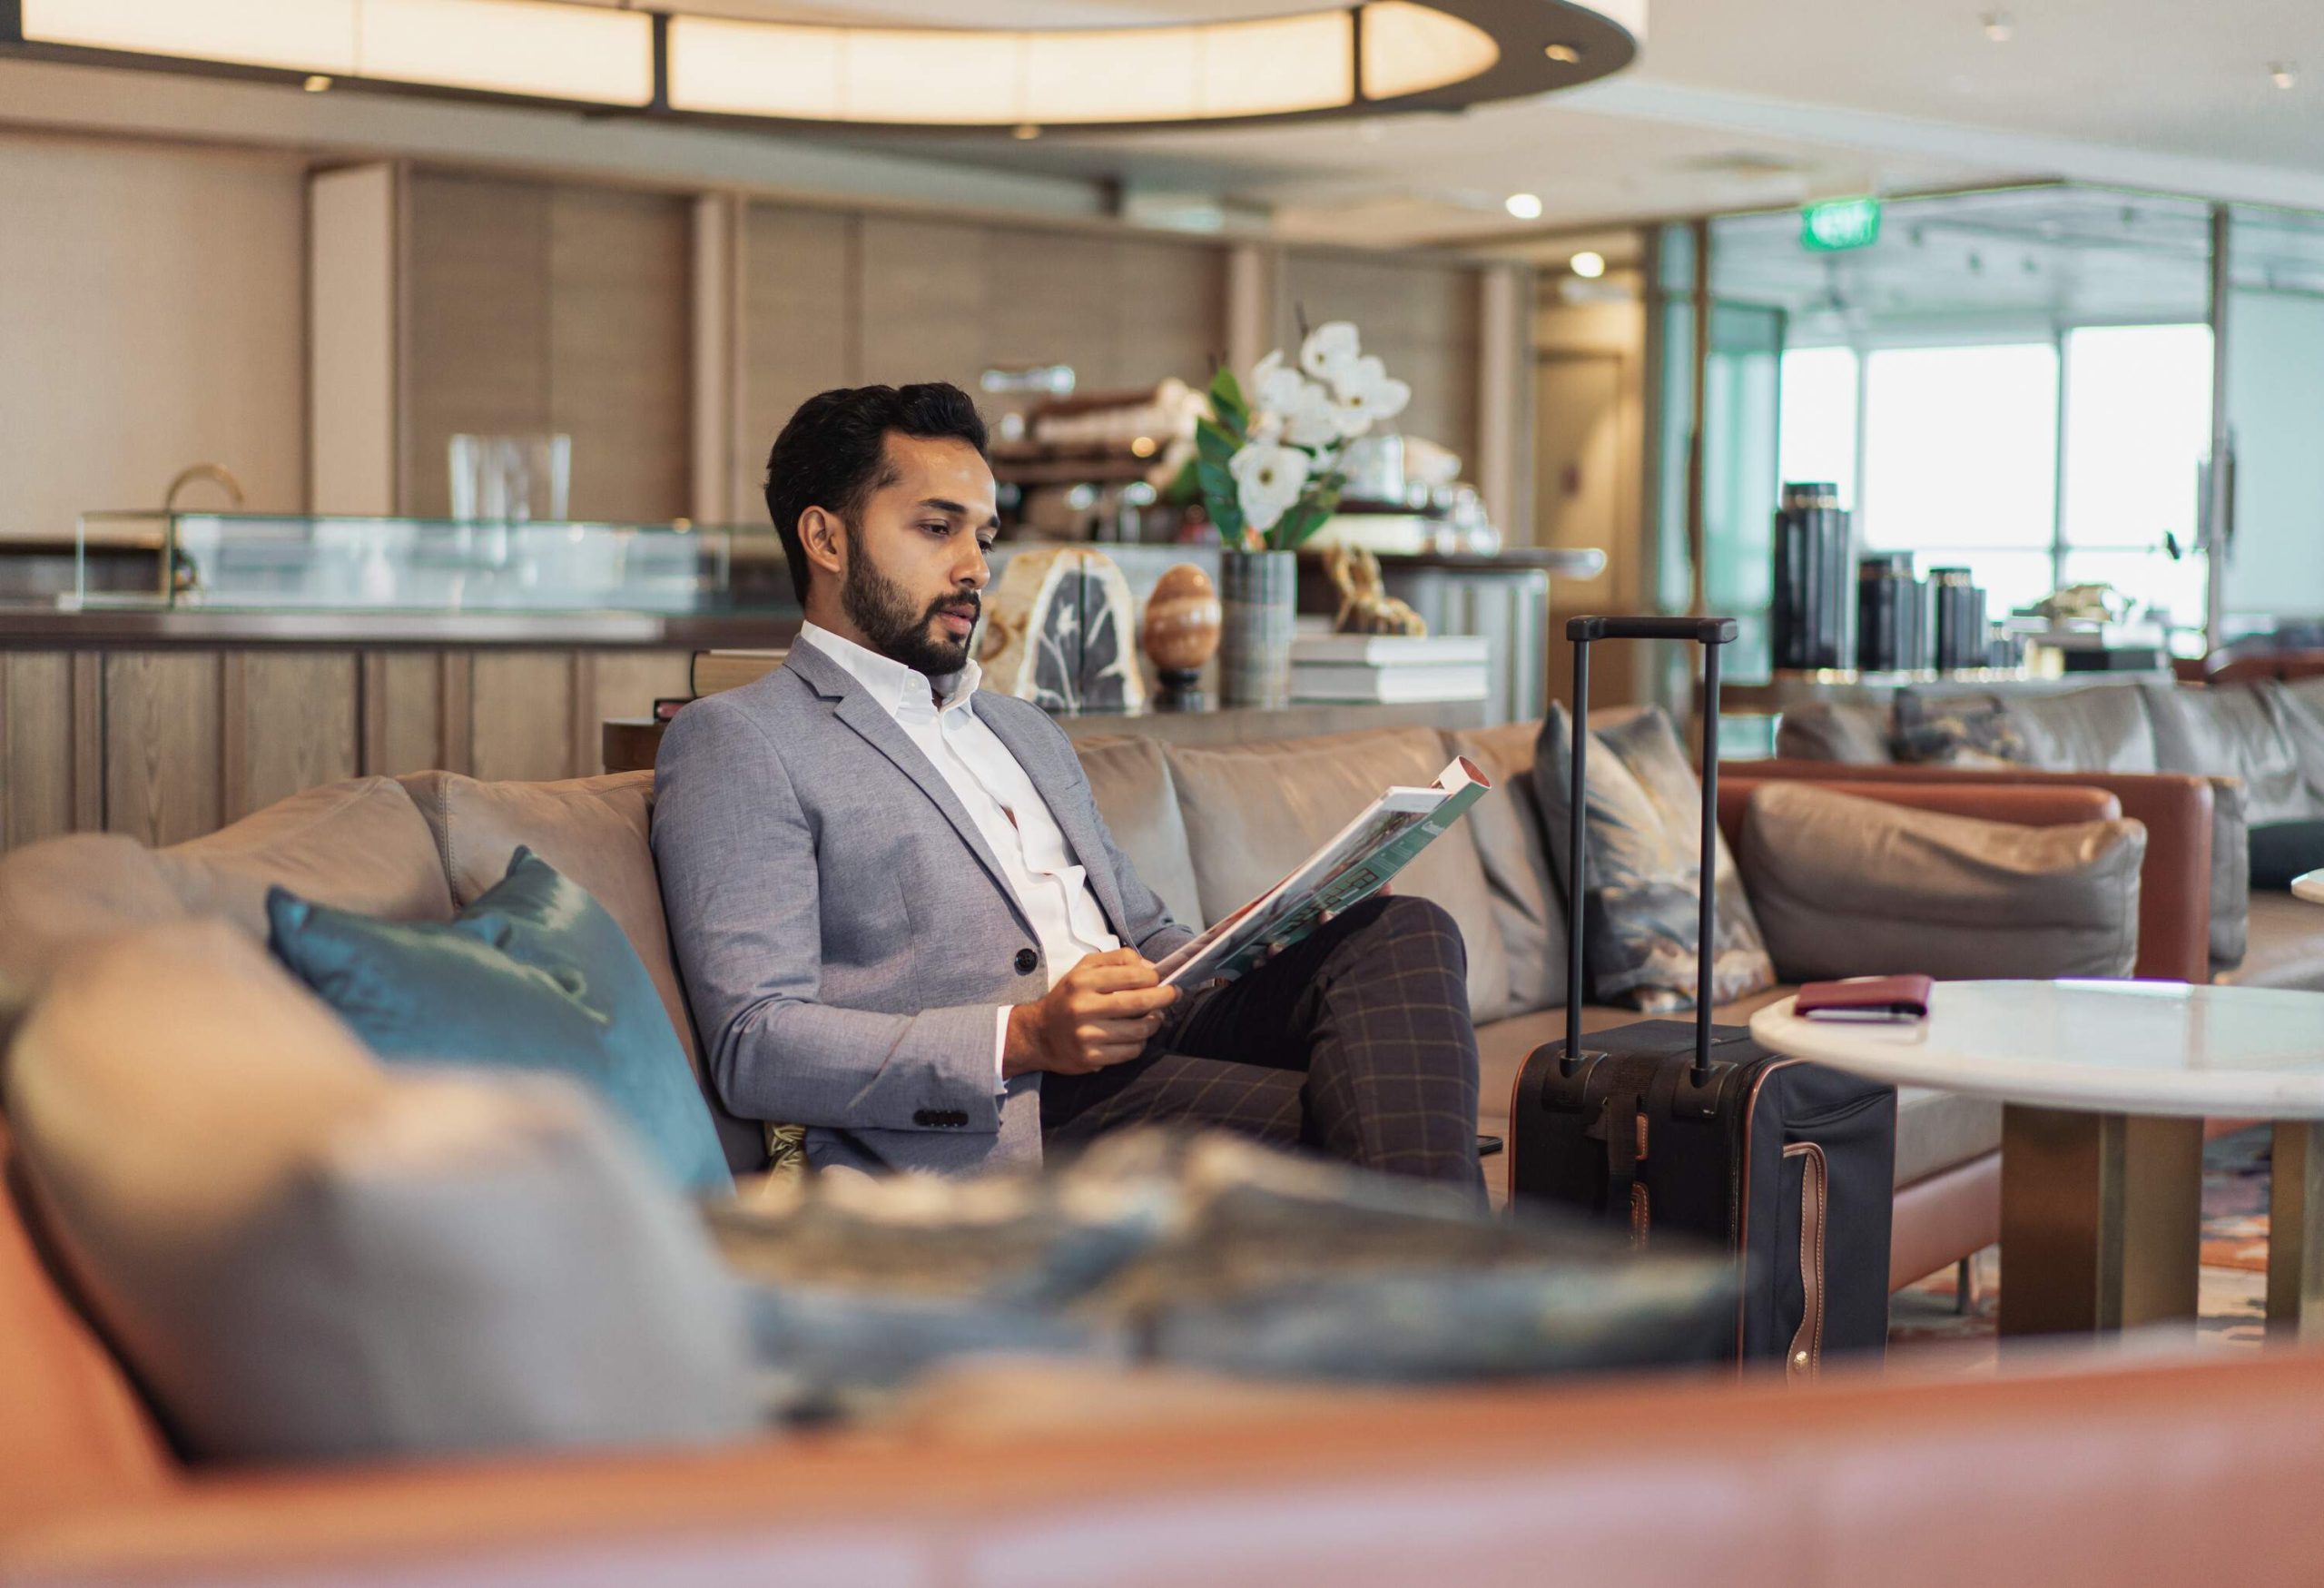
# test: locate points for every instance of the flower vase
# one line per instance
(1257, 593)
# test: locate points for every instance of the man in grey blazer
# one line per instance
(901, 920)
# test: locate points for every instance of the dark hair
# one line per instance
(834, 452)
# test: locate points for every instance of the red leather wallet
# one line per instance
(1871, 998)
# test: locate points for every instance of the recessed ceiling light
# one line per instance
(1524, 206)
(1563, 54)
(2283, 73)
(317, 84)
(1998, 26)
(1025, 131)
(1589, 264)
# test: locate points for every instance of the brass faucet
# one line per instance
(217, 472)
(178, 572)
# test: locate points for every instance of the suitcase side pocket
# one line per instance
(1806, 1354)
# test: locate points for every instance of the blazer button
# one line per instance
(924, 1118)
(1027, 961)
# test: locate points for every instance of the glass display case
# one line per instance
(322, 563)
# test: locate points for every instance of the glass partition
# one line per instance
(2273, 552)
(2017, 381)
(245, 562)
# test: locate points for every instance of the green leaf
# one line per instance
(1215, 443)
(1227, 400)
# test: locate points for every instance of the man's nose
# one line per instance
(975, 572)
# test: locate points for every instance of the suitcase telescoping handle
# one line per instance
(1710, 633)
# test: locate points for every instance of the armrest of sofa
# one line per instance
(2174, 885)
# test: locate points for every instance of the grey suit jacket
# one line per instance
(846, 935)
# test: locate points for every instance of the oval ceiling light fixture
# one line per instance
(520, 49)
(1353, 60)
(1350, 61)
(1524, 206)
(1589, 264)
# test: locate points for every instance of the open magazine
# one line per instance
(1362, 857)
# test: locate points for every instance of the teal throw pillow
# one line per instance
(534, 975)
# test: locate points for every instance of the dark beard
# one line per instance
(883, 614)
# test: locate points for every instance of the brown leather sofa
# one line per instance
(2075, 1472)
(1120, 1483)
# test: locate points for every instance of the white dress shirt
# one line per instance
(1009, 811)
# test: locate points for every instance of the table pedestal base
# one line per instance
(2296, 1229)
(2101, 1221)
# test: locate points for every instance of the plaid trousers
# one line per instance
(1355, 1043)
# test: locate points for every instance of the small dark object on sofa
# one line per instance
(2281, 851)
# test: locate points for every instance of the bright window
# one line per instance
(1960, 448)
(2138, 402)
(1818, 422)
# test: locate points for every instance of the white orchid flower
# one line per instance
(1302, 412)
(1367, 394)
(1275, 384)
(1268, 479)
(1329, 351)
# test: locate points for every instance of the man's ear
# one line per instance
(824, 539)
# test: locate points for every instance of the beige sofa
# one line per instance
(1205, 827)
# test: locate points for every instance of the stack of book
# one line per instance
(1390, 670)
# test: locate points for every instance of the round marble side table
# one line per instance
(2104, 1087)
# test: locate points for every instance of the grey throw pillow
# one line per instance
(303, 1256)
(1643, 830)
(1846, 886)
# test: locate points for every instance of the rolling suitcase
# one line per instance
(1675, 1125)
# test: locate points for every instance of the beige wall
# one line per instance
(1420, 315)
(151, 316)
(1589, 469)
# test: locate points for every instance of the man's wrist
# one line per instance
(1018, 1050)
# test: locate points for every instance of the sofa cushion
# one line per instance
(1255, 811)
(594, 831)
(304, 1256)
(1831, 730)
(2104, 728)
(1138, 801)
(2287, 946)
(2237, 730)
(1506, 826)
(353, 846)
(1641, 906)
(534, 975)
(63, 893)
(1855, 887)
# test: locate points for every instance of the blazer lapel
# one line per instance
(1039, 754)
(869, 718)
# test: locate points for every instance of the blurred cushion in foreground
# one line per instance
(533, 975)
(303, 1255)
(1846, 886)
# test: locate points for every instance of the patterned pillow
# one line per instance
(1643, 834)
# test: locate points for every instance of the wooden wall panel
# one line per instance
(403, 713)
(1419, 316)
(1052, 297)
(523, 712)
(289, 721)
(36, 762)
(152, 317)
(621, 349)
(477, 343)
(800, 314)
(923, 300)
(1171, 310)
(163, 746)
(627, 684)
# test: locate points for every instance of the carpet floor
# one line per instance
(1925, 1330)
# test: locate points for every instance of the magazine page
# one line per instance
(1358, 861)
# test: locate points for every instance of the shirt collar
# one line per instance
(901, 691)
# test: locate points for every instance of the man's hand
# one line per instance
(1102, 1013)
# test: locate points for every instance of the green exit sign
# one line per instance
(1839, 223)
